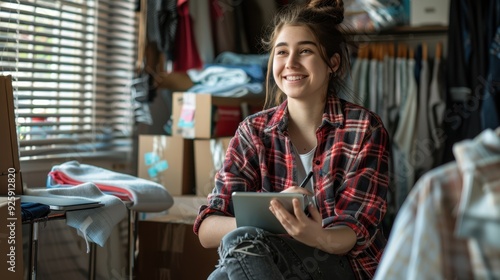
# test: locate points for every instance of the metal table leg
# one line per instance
(92, 261)
(34, 250)
(132, 237)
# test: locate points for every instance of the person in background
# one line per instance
(304, 127)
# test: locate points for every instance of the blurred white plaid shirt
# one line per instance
(424, 241)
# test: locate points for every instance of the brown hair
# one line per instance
(323, 18)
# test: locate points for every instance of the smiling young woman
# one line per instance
(305, 127)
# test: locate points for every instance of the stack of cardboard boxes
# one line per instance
(185, 164)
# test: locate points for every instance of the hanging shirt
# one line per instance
(202, 28)
(405, 134)
(437, 107)
(350, 172)
(363, 81)
(424, 148)
(186, 51)
(373, 78)
(162, 25)
(355, 73)
(424, 243)
(392, 108)
(490, 111)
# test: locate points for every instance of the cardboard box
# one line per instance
(185, 207)
(209, 156)
(429, 12)
(168, 161)
(10, 167)
(169, 250)
(11, 243)
(202, 115)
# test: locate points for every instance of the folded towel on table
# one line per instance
(93, 224)
(145, 195)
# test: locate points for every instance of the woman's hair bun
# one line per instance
(334, 8)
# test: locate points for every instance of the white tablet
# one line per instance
(252, 209)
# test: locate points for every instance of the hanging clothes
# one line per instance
(468, 43)
(363, 78)
(490, 111)
(202, 29)
(162, 25)
(392, 109)
(223, 26)
(371, 101)
(355, 73)
(424, 147)
(381, 96)
(260, 13)
(404, 136)
(437, 106)
(386, 83)
(491, 114)
(186, 51)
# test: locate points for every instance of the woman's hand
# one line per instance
(306, 229)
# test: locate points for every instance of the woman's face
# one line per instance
(298, 69)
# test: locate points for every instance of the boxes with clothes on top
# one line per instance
(219, 97)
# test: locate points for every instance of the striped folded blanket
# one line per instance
(144, 195)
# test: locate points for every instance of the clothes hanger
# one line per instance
(383, 51)
(391, 50)
(402, 50)
(373, 51)
(362, 52)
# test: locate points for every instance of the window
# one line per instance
(71, 62)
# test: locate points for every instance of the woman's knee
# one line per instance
(243, 234)
(244, 240)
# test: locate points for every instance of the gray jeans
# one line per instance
(252, 253)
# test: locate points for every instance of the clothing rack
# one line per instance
(412, 36)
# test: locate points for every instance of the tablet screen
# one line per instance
(252, 209)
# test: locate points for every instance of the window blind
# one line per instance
(71, 63)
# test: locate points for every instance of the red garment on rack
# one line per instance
(186, 53)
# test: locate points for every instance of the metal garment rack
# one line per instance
(413, 36)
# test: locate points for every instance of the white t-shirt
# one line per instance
(304, 166)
